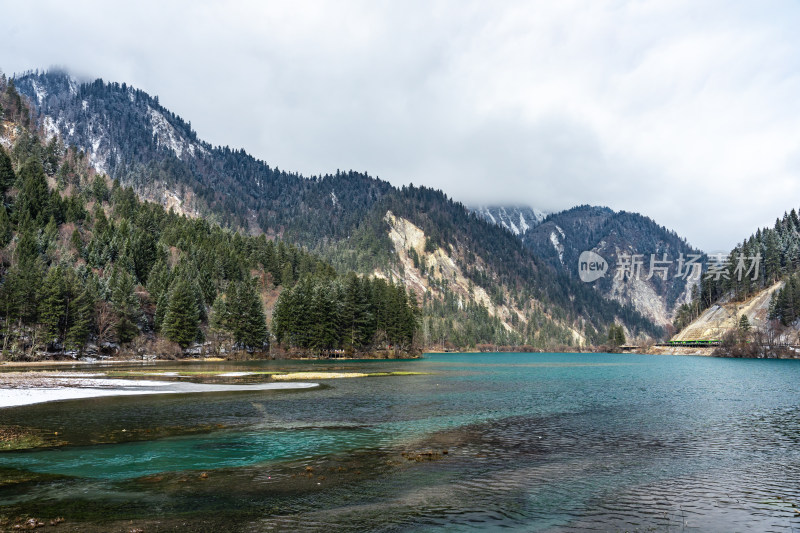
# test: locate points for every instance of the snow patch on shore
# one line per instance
(56, 389)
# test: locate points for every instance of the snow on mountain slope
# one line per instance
(516, 219)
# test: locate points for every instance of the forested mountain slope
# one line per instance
(342, 216)
(765, 265)
(130, 136)
(86, 265)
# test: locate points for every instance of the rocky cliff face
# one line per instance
(437, 273)
(724, 316)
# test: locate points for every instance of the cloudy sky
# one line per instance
(686, 111)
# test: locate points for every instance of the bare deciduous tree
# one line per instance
(106, 320)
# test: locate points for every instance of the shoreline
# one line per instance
(156, 360)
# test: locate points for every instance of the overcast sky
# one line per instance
(685, 111)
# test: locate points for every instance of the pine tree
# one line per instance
(126, 305)
(7, 176)
(76, 242)
(219, 318)
(161, 310)
(351, 309)
(81, 311)
(245, 316)
(100, 220)
(616, 335)
(5, 227)
(772, 258)
(99, 188)
(325, 328)
(620, 336)
(158, 280)
(744, 324)
(26, 276)
(287, 276)
(410, 319)
(281, 314)
(143, 253)
(50, 234)
(34, 197)
(182, 317)
(51, 307)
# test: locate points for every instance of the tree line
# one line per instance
(350, 314)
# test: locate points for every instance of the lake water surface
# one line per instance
(534, 442)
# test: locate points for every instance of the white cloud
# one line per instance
(684, 111)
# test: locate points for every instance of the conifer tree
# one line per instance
(100, 220)
(50, 234)
(81, 310)
(99, 188)
(245, 316)
(219, 320)
(325, 332)
(26, 276)
(620, 337)
(126, 305)
(182, 317)
(287, 276)
(772, 258)
(616, 335)
(158, 280)
(5, 227)
(143, 253)
(33, 199)
(51, 307)
(161, 310)
(76, 242)
(744, 324)
(7, 176)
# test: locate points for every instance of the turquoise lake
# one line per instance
(530, 442)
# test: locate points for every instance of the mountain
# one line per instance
(86, 266)
(561, 238)
(476, 281)
(516, 219)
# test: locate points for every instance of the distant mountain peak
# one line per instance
(516, 219)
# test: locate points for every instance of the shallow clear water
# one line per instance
(537, 442)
